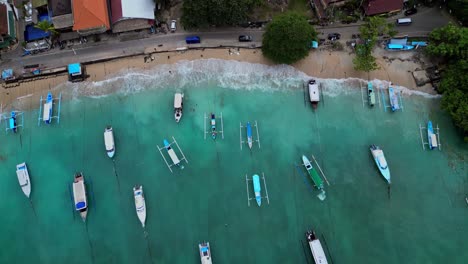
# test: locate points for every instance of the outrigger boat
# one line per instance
(381, 162)
(140, 204)
(316, 248)
(48, 107)
(171, 152)
(213, 126)
(178, 104)
(313, 174)
(13, 125)
(393, 99)
(370, 94)
(249, 135)
(79, 195)
(431, 137)
(109, 141)
(23, 178)
(314, 93)
(257, 189)
(205, 253)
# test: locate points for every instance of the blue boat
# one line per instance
(257, 189)
(393, 99)
(48, 107)
(13, 121)
(213, 126)
(431, 137)
(249, 135)
(379, 158)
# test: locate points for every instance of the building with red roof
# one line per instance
(90, 17)
(378, 7)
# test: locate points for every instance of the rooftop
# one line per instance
(375, 7)
(90, 14)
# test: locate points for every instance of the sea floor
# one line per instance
(420, 219)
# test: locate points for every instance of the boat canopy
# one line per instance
(178, 100)
(22, 174)
(314, 92)
(256, 183)
(79, 195)
(434, 140)
(317, 252)
(46, 113)
(173, 156)
(109, 139)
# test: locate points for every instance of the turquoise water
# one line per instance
(421, 220)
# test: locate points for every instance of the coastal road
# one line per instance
(423, 22)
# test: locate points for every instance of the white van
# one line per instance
(173, 26)
(404, 21)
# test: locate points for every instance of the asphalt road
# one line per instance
(423, 22)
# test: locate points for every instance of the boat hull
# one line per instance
(249, 135)
(79, 195)
(205, 253)
(23, 178)
(395, 105)
(381, 162)
(370, 94)
(316, 248)
(257, 189)
(140, 204)
(314, 93)
(213, 126)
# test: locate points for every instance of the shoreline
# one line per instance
(322, 64)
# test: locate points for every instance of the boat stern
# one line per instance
(258, 198)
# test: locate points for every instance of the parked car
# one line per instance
(173, 26)
(411, 11)
(245, 38)
(334, 36)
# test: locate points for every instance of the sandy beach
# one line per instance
(395, 67)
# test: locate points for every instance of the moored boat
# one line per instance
(314, 93)
(249, 135)
(431, 137)
(370, 94)
(140, 204)
(23, 178)
(171, 153)
(178, 105)
(316, 248)
(393, 99)
(12, 120)
(48, 107)
(381, 162)
(109, 141)
(257, 189)
(79, 195)
(213, 126)
(313, 174)
(205, 253)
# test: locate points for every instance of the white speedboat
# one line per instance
(316, 248)
(79, 195)
(381, 162)
(140, 204)
(109, 141)
(23, 178)
(205, 253)
(178, 105)
(314, 93)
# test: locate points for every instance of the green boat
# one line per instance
(313, 174)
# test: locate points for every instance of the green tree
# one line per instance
(202, 13)
(450, 42)
(287, 38)
(46, 26)
(459, 8)
(364, 61)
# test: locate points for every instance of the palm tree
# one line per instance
(46, 26)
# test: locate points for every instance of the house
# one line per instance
(7, 26)
(379, 7)
(90, 17)
(129, 15)
(61, 14)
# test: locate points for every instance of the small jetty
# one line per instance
(46, 109)
(178, 105)
(79, 195)
(140, 204)
(23, 178)
(381, 162)
(109, 141)
(316, 248)
(314, 93)
(205, 253)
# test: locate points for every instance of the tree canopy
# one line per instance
(451, 43)
(370, 32)
(287, 38)
(202, 13)
(46, 26)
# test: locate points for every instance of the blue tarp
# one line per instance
(6, 74)
(80, 205)
(395, 46)
(314, 44)
(31, 33)
(419, 43)
(74, 68)
(402, 41)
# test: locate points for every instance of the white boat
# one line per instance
(23, 178)
(316, 248)
(178, 104)
(205, 253)
(314, 93)
(48, 108)
(171, 152)
(140, 204)
(109, 141)
(381, 162)
(79, 195)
